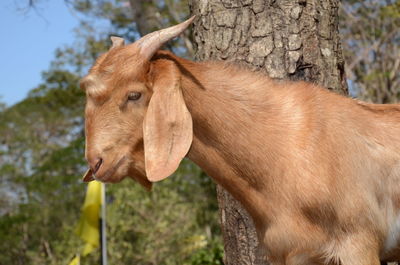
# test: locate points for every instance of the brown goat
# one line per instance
(318, 172)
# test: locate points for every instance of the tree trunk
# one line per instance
(146, 15)
(286, 39)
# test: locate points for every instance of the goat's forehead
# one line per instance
(115, 67)
(121, 57)
(100, 85)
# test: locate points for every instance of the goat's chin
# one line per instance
(139, 175)
(115, 179)
(111, 179)
(143, 182)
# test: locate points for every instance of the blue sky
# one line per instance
(28, 42)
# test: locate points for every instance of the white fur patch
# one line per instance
(393, 236)
(393, 215)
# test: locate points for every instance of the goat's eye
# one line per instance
(134, 95)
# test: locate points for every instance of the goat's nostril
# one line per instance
(97, 166)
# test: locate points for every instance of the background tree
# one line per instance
(292, 40)
(371, 39)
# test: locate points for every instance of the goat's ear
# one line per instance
(167, 127)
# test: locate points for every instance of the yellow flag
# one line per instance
(88, 227)
(75, 261)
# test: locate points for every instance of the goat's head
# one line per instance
(137, 123)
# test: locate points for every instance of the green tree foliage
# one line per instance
(42, 160)
(42, 155)
(371, 38)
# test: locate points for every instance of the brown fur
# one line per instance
(318, 172)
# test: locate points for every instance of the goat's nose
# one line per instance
(95, 164)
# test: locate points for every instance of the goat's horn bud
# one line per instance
(151, 42)
(117, 42)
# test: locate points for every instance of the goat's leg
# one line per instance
(306, 257)
(368, 259)
(301, 259)
(359, 249)
(353, 250)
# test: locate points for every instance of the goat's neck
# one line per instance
(229, 129)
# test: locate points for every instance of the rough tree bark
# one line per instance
(286, 39)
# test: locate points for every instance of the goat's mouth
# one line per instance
(105, 174)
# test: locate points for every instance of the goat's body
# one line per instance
(318, 172)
